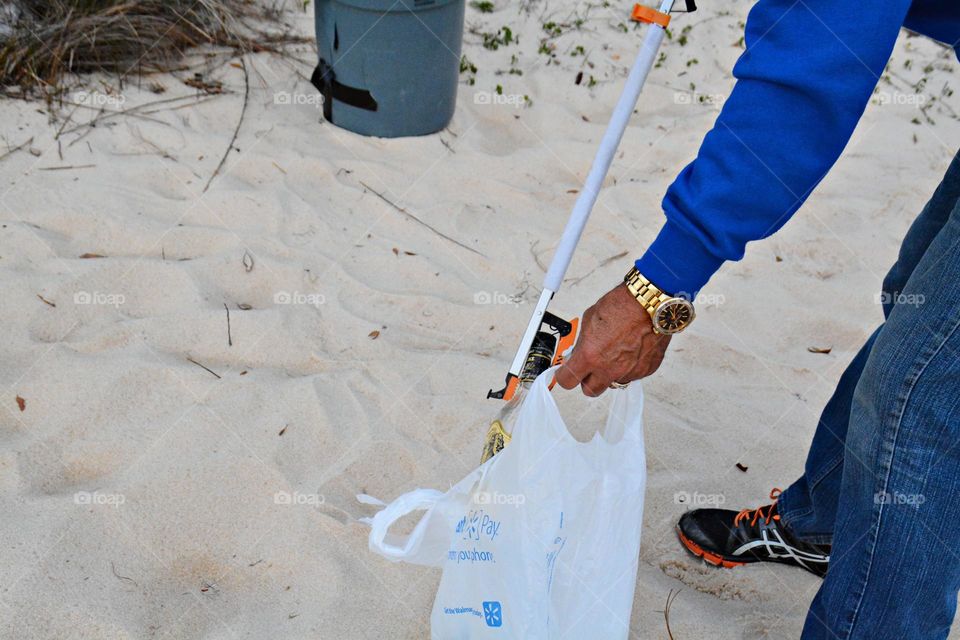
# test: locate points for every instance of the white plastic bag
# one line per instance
(542, 540)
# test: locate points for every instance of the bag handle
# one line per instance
(400, 548)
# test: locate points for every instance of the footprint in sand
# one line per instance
(710, 580)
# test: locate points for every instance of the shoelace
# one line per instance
(758, 512)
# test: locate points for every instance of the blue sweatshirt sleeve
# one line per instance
(809, 69)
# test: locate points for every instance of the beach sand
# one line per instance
(165, 474)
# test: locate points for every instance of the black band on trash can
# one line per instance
(325, 81)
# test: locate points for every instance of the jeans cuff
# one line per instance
(797, 521)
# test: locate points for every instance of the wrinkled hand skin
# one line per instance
(617, 344)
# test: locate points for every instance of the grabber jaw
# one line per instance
(507, 392)
(550, 344)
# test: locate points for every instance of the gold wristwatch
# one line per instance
(670, 314)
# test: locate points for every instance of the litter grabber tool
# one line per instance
(548, 338)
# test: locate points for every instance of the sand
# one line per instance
(163, 476)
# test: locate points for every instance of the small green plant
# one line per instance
(503, 37)
(483, 6)
(513, 70)
(553, 29)
(578, 51)
(469, 68)
(499, 89)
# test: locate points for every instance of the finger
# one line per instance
(573, 371)
(594, 385)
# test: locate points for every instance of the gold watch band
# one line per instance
(646, 293)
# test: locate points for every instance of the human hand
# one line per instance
(617, 344)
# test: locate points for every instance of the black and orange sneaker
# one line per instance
(729, 539)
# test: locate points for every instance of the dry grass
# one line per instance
(43, 40)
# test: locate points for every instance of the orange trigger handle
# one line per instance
(649, 15)
(564, 344)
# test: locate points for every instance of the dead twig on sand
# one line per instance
(418, 220)
(217, 375)
(106, 114)
(243, 110)
(536, 258)
(17, 148)
(229, 336)
(113, 568)
(207, 98)
(671, 596)
(69, 166)
(599, 266)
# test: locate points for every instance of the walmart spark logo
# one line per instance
(493, 614)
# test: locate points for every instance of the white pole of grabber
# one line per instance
(598, 171)
(608, 147)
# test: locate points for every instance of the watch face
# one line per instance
(673, 316)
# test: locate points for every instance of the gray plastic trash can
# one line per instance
(389, 67)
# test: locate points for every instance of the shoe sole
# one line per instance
(713, 558)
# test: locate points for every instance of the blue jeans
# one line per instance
(882, 478)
